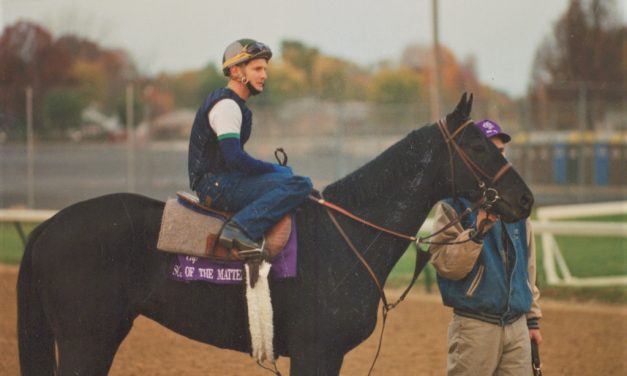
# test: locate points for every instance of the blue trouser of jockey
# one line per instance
(259, 201)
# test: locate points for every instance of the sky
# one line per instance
(174, 35)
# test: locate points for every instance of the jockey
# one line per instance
(222, 174)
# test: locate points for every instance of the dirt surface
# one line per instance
(579, 339)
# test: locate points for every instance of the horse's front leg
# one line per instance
(316, 363)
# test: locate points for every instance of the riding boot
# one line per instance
(234, 237)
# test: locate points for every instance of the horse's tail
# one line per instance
(35, 336)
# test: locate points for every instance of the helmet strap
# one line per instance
(251, 88)
(244, 80)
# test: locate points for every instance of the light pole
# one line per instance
(435, 86)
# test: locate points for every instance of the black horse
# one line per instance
(89, 271)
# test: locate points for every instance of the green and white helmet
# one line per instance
(242, 51)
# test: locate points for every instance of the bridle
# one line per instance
(489, 196)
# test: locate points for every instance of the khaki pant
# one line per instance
(477, 348)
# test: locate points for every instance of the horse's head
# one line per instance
(479, 171)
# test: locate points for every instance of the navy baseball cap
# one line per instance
(492, 129)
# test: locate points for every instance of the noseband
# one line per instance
(489, 194)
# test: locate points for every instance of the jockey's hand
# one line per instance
(287, 170)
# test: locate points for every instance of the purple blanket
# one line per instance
(190, 268)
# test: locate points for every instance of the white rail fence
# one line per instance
(546, 226)
(553, 259)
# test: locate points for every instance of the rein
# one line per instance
(421, 257)
(489, 197)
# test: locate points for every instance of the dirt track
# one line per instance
(580, 339)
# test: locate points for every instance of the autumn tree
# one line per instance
(59, 71)
(299, 56)
(101, 74)
(336, 79)
(29, 57)
(396, 86)
(581, 61)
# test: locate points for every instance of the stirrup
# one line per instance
(257, 253)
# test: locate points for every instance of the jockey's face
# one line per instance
(256, 72)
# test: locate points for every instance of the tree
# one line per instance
(211, 78)
(90, 80)
(285, 82)
(333, 78)
(456, 77)
(395, 86)
(29, 57)
(587, 45)
(299, 56)
(580, 64)
(63, 108)
(95, 64)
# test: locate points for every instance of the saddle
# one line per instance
(191, 228)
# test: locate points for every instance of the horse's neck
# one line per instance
(396, 190)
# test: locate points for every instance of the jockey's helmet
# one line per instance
(242, 51)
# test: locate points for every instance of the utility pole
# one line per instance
(435, 86)
(30, 150)
(130, 140)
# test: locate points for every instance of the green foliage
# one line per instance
(211, 78)
(285, 82)
(300, 56)
(138, 110)
(396, 86)
(63, 108)
(92, 81)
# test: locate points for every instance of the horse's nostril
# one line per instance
(526, 200)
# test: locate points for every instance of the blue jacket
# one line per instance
(498, 284)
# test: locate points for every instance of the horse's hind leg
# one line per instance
(90, 352)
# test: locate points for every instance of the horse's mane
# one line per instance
(375, 179)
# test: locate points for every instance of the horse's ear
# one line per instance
(466, 106)
(460, 108)
(469, 105)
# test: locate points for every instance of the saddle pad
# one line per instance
(185, 230)
(190, 268)
(191, 230)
